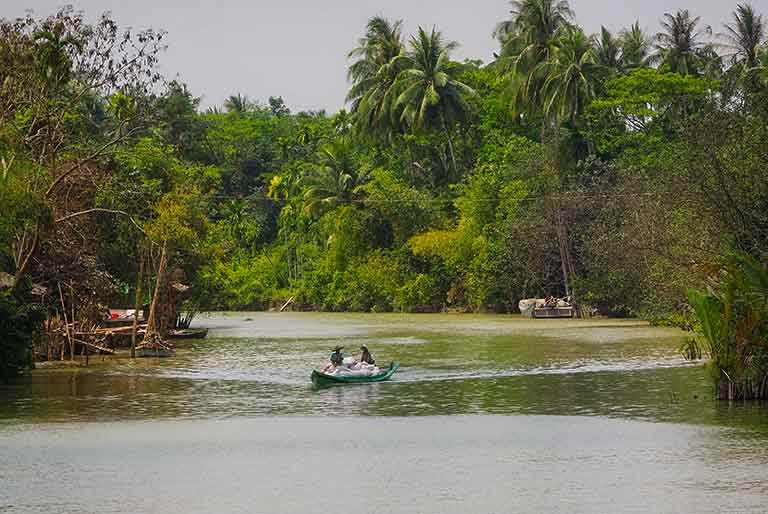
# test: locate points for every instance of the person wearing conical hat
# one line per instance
(337, 358)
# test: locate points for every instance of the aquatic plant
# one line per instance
(732, 320)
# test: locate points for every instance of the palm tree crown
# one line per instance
(528, 40)
(428, 93)
(570, 76)
(238, 103)
(336, 180)
(534, 22)
(54, 46)
(607, 51)
(744, 37)
(679, 43)
(635, 47)
(374, 72)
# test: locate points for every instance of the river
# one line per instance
(488, 414)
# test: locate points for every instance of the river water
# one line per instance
(489, 414)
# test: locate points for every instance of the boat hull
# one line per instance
(553, 312)
(320, 379)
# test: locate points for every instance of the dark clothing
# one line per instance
(366, 357)
(337, 358)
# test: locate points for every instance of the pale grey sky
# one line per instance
(297, 48)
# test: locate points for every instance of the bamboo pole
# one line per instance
(151, 333)
(138, 303)
(66, 323)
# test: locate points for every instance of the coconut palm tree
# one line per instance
(743, 40)
(238, 103)
(374, 72)
(428, 94)
(635, 47)
(534, 22)
(607, 52)
(710, 63)
(571, 75)
(527, 42)
(744, 37)
(678, 45)
(336, 179)
(53, 47)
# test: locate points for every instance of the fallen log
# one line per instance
(118, 330)
(286, 304)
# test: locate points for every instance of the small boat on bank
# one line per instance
(319, 378)
(547, 308)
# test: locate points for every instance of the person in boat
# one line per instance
(365, 356)
(337, 358)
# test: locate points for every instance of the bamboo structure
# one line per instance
(152, 338)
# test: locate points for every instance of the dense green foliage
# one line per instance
(19, 322)
(607, 167)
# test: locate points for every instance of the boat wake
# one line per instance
(299, 376)
(422, 375)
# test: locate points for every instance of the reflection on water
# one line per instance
(259, 364)
(428, 464)
(232, 424)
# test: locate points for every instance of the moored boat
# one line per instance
(319, 378)
(547, 308)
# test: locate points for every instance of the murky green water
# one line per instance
(488, 414)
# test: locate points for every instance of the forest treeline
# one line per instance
(618, 168)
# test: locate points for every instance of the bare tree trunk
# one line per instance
(450, 148)
(26, 260)
(562, 243)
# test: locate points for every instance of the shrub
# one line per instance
(19, 322)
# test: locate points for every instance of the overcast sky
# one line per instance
(297, 48)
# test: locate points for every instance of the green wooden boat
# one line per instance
(320, 379)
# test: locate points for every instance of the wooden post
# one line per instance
(138, 303)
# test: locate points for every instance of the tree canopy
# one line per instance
(611, 166)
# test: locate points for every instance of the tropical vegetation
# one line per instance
(618, 168)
